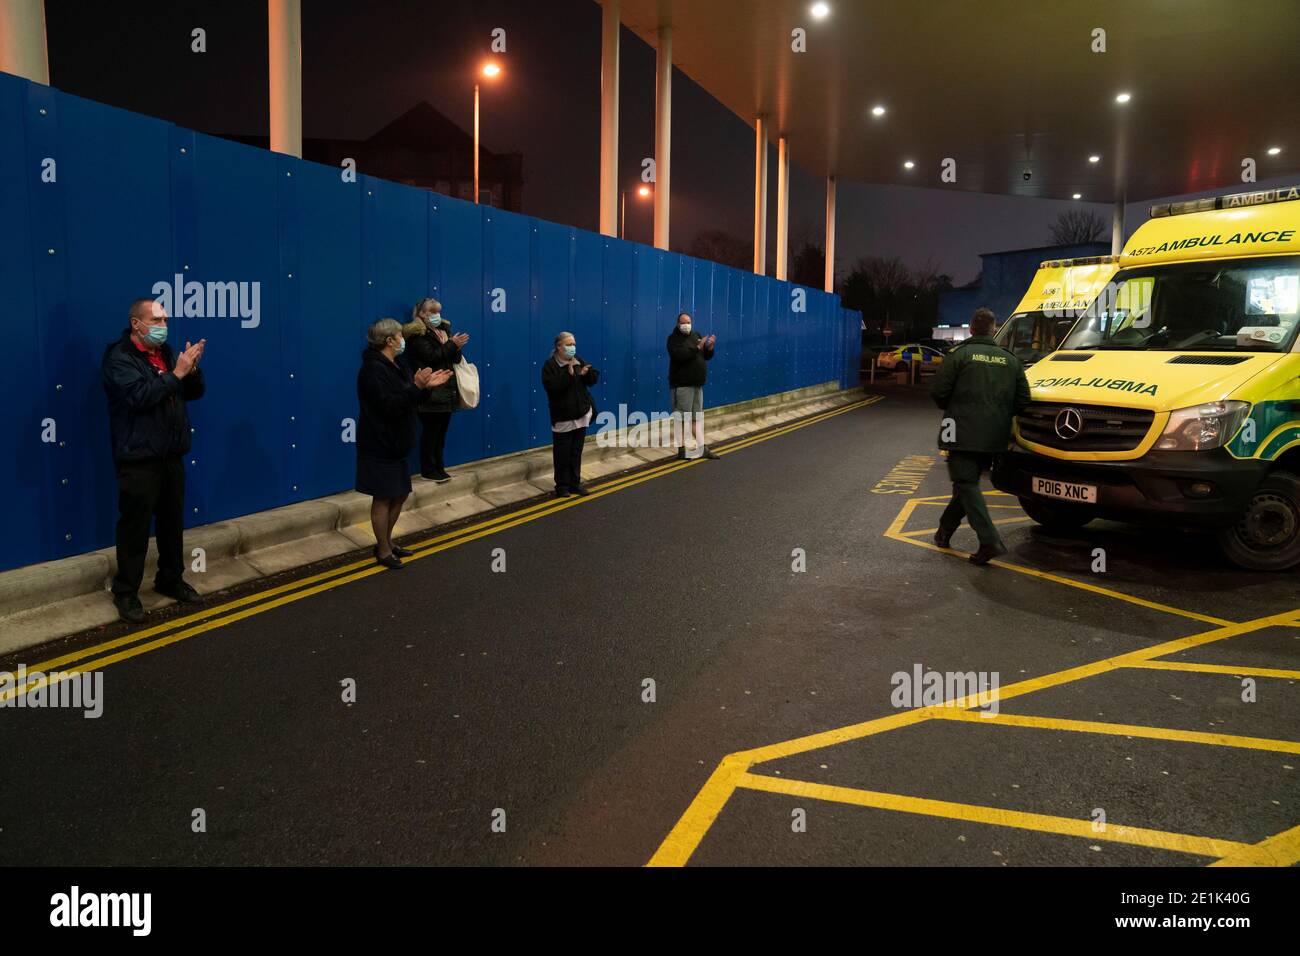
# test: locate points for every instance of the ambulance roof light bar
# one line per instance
(1230, 201)
(1083, 261)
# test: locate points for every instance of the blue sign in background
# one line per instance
(135, 201)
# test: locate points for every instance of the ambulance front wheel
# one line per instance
(1267, 535)
(1056, 516)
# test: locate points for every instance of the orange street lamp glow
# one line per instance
(489, 70)
(643, 191)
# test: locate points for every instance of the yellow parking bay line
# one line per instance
(1280, 850)
(925, 531)
(208, 619)
(895, 531)
(1218, 669)
(695, 822)
(1123, 730)
(997, 816)
(699, 816)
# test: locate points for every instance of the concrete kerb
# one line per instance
(45, 601)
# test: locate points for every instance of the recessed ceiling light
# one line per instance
(1078, 195)
(1123, 98)
(908, 164)
(877, 111)
(1094, 159)
(1274, 150)
(820, 10)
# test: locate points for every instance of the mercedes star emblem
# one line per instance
(1069, 422)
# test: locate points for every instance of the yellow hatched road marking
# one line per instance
(895, 531)
(1124, 730)
(733, 773)
(1219, 669)
(1280, 850)
(996, 816)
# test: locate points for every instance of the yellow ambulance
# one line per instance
(1175, 398)
(1061, 291)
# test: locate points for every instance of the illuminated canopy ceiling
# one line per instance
(1005, 86)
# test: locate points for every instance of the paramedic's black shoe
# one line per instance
(987, 553)
(710, 454)
(129, 608)
(942, 538)
(180, 591)
(681, 454)
(563, 493)
(581, 490)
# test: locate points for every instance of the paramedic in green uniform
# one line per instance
(981, 387)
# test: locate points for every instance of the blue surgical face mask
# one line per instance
(401, 347)
(570, 351)
(435, 320)
(157, 334)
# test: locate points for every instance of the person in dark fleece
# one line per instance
(389, 396)
(147, 386)
(566, 378)
(981, 387)
(431, 344)
(688, 351)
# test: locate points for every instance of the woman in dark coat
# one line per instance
(566, 378)
(388, 395)
(430, 344)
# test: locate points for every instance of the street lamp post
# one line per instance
(489, 70)
(643, 192)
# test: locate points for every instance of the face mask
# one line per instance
(570, 351)
(435, 320)
(157, 334)
(686, 329)
(401, 347)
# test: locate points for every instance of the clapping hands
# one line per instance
(188, 360)
(428, 378)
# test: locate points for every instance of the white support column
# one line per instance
(23, 50)
(1117, 226)
(284, 35)
(760, 196)
(663, 132)
(782, 207)
(609, 118)
(830, 234)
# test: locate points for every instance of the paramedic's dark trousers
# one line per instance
(964, 468)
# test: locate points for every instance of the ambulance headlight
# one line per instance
(1202, 427)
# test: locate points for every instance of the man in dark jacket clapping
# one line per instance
(981, 387)
(147, 386)
(688, 351)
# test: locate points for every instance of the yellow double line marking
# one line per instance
(171, 632)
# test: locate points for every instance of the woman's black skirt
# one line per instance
(383, 477)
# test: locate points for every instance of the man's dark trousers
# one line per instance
(150, 488)
(964, 468)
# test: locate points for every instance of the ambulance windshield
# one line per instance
(1242, 305)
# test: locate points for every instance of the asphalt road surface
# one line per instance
(577, 707)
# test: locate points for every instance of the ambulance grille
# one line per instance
(1104, 427)
(1071, 357)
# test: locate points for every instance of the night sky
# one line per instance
(366, 63)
